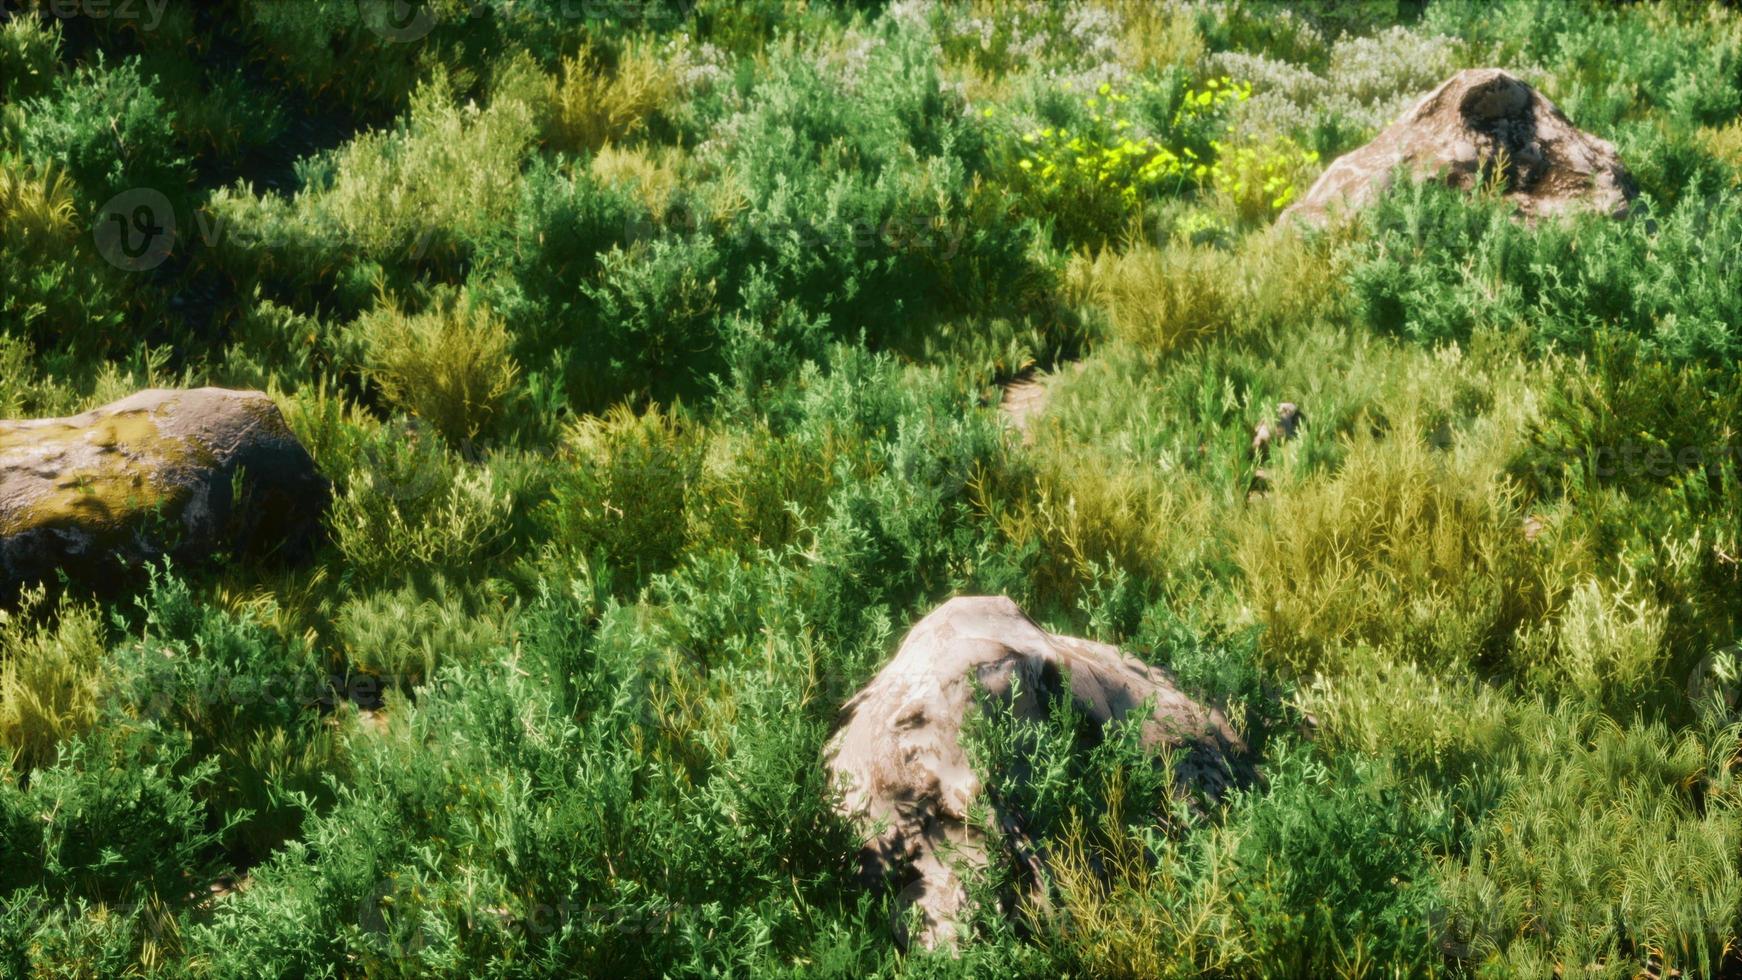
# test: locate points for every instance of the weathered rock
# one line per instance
(185, 474)
(1479, 119)
(898, 759)
(1282, 429)
(1273, 432)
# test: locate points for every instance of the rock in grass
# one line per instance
(1479, 122)
(184, 474)
(1280, 430)
(898, 759)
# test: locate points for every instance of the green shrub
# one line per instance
(1612, 844)
(412, 505)
(1161, 300)
(226, 119)
(1334, 870)
(1625, 419)
(998, 41)
(272, 342)
(656, 332)
(1440, 266)
(52, 287)
(1045, 775)
(50, 681)
(537, 272)
(448, 364)
(590, 106)
(900, 238)
(1398, 547)
(757, 490)
(29, 55)
(403, 636)
(621, 495)
(441, 181)
(1444, 729)
(654, 352)
(116, 818)
(424, 194)
(347, 57)
(248, 698)
(534, 766)
(108, 127)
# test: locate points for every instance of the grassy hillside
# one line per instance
(654, 349)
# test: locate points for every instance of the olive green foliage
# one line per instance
(448, 364)
(653, 351)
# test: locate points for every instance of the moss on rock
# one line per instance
(154, 474)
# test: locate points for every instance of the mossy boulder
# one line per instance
(162, 473)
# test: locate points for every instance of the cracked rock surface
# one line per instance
(1480, 121)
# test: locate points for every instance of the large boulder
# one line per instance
(186, 474)
(1479, 119)
(897, 756)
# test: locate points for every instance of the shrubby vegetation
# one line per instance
(652, 350)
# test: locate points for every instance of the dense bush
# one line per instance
(108, 126)
(1437, 269)
(448, 364)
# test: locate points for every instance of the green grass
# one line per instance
(653, 357)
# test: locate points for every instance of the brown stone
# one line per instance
(183, 474)
(898, 759)
(1481, 120)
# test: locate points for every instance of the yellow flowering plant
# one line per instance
(1261, 179)
(1127, 147)
(1093, 175)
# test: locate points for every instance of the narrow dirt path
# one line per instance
(1026, 395)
